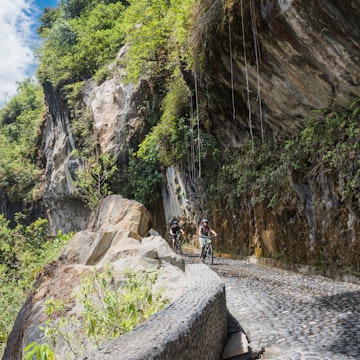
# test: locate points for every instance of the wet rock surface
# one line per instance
(290, 316)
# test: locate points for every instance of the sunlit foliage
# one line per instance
(24, 250)
(79, 38)
(19, 124)
(112, 304)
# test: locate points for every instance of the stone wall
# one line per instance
(194, 326)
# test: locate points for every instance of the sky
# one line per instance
(18, 23)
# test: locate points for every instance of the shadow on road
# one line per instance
(347, 307)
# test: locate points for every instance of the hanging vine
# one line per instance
(257, 50)
(231, 70)
(192, 148)
(246, 73)
(198, 122)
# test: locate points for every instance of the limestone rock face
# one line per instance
(268, 65)
(114, 105)
(117, 126)
(63, 211)
(117, 234)
(265, 67)
(291, 59)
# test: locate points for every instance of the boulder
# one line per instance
(115, 235)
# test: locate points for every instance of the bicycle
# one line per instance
(178, 244)
(207, 250)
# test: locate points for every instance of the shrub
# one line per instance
(110, 308)
(25, 249)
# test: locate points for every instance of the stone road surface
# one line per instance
(292, 316)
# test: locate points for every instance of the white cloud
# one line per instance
(17, 20)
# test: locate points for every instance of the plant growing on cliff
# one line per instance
(38, 352)
(328, 147)
(158, 35)
(92, 182)
(78, 38)
(254, 172)
(144, 178)
(110, 308)
(169, 140)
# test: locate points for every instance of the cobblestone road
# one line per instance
(293, 316)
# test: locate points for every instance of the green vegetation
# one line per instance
(322, 157)
(167, 142)
(19, 124)
(169, 139)
(110, 308)
(92, 182)
(330, 146)
(39, 352)
(255, 171)
(81, 38)
(24, 250)
(78, 38)
(143, 177)
(324, 146)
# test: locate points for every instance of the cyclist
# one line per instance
(204, 231)
(175, 230)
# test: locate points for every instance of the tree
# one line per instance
(20, 120)
(77, 40)
(93, 180)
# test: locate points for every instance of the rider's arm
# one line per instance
(213, 232)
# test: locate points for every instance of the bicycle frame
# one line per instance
(207, 250)
(178, 244)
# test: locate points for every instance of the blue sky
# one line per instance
(18, 22)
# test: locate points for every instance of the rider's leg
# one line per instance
(201, 244)
(202, 252)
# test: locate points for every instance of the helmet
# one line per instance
(175, 221)
(205, 220)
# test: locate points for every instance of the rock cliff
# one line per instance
(274, 62)
(266, 66)
(117, 124)
(63, 211)
(117, 233)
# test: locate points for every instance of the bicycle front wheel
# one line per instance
(178, 247)
(210, 254)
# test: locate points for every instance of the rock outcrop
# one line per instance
(291, 59)
(117, 233)
(118, 125)
(63, 211)
(266, 66)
